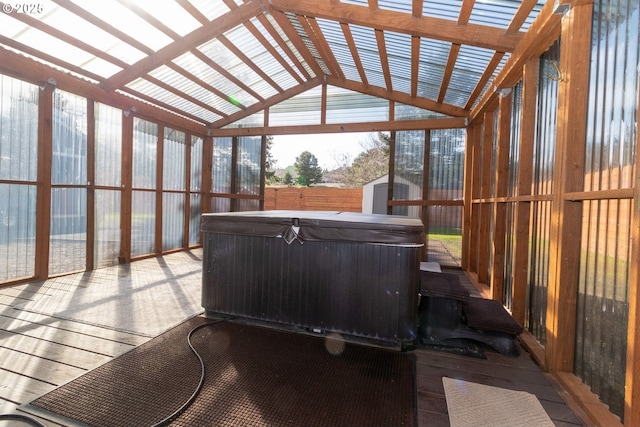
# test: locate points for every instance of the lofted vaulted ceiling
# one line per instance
(215, 62)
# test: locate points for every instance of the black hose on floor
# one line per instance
(24, 418)
(189, 401)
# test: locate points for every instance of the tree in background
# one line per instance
(288, 178)
(270, 164)
(307, 169)
(370, 164)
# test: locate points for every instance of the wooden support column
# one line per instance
(501, 179)
(525, 177)
(43, 196)
(207, 172)
(127, 182)
(566, 215)
(159, 186)
(472, 191)
(91, 182)
(186, 224)
(424, 209)
(632, 380)
(485, 193)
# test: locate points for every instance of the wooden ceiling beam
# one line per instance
(384, 59)
(283, 45)
(26, 69)
(541, 34)
(348, 36)
(248, 62)
(257, 107)
(217, 67)
(286, 26)
(463, 18)
(391, 125)
(435, 28)
(401, 97)
(314, 32)
(197, 37)
(415, 64)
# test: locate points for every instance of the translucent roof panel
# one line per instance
(256, 52)
(164, 96)
(253, 120)
(345, 106)
(365, 41)
(233, 92)
(124, 19)
(399, 60)
(433, 60)
(409, 112)
(495, 13)
(220, 54)
(445, 9)
(289, 44)
(210, 9)
(470, 65)
(334, 35)
(302, 109)
(281, 51)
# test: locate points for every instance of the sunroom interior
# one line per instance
(123, 122)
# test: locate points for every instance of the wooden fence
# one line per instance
(313, 199)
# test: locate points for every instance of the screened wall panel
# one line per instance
(143, 222)
(18, 176)
(172, 220)
(67, 246)
(145, 153)
(68, 233)
(108, 146)
(543, 170)
(248, 169)
(603, 299)
(408, 170)
(603, 289)
(107, 228)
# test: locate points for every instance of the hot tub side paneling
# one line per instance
(358, 289)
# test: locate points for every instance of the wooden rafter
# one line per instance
(248, 62)
(440, 29)
(217, 67)
(291, 33)
(195, 38)
(283, 45)
(463, 19)
(348, 36)
(314, 32)
(205, 86)
(384, 59)
(486, 75)
(416, 8)
(152, 20)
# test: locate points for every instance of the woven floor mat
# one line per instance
(254, 376)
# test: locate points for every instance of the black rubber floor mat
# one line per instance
(490, 315)
(254, 376)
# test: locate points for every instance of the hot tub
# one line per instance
(353, 274)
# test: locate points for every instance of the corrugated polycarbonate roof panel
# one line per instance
(242, 38)
(207, 74)
(495, 13)
(191, 88)
(227, 60)
(290, 44)
(302, 109)
(125, 20)
(345, 106)
(151, 90)
(399, 56)
(409, 112)
(365, 41)
(335, 38)
(432, 63)
(444, 9)
(256, 22)
(210, 9)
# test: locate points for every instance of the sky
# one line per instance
(326, 147)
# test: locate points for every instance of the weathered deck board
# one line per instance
(33, 345)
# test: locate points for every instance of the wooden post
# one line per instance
(525, 176)
(127, 182)
(485, 193)
(91, 182)
(43, 197)
(159, 189)
(564, 252)
(501, 179)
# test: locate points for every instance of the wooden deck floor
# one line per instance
(53, 331)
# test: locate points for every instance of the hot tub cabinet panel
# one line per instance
(357, 275)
